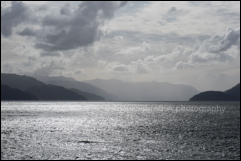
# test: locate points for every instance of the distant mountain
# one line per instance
(89, 91)
(39, 89)
(88, 96)
(232, 94)
(8, 93)
(62, 88)
(52, 92)
(21, 82)
(144, 91)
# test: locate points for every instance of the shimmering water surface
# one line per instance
(115, 130)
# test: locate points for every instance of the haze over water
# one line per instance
(117, 130)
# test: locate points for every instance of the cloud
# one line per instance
(50, 54)
(12, 17)
(205, 51)
(120, 69)
(232, 37)
(141, 69)
(215, 48)
(51, 68)
(183, 66)
(172, 15)
(79, 28)
(65, 10)
(27, 32)
(218, 44)
(68, 28)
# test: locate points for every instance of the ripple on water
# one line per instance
(85, 130)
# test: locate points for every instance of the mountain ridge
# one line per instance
(232, 94)
(12, 94)
(71, 83)
(37, 88)
(145, 91)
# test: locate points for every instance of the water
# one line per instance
(104, 130)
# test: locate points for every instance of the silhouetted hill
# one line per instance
(19, 81)
(232, 94)
(8, 93)
(212, 96)
(39, 89)
(71, 83)
(144, 91)
(52, 92)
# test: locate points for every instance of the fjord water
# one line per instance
(120, 130)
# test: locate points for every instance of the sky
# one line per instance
(193, 43)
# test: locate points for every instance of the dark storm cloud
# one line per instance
(77, 29)
(70, 28)
(13, 16)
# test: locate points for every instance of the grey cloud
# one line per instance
(42, 8)
(226, 13)
(123, 3)
(168, 60)
(216, 48)
(210, 57)
(120, 69)
(188, 51)
(50, 54)
(164, 37)
(200, 3)
(172, 15)
(230, 39)
(13, 16)
(211, 50)
(65, 10)
(141, 69)
(80, 28)
(50, 68)
(78, 72)
(27, 32)
(7, 68)
(183, 65)
(56, 21)
(218, 44)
